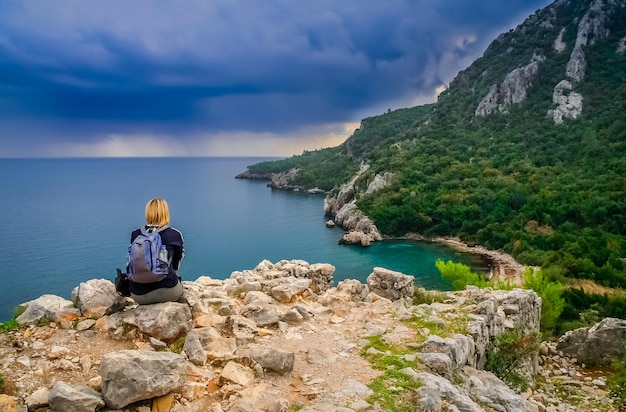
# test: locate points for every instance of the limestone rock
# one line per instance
(96, 298)
(165, 321)
(262, 314)
(345, 212)
(599, 344)
(513, 89)
(65, 397)
(129, 376)
(390, 284)
(237, 373)
(437, 390)
(492, 393)
(244, 330)
(592, 27)
(37, 399)
(284, 180)
(380, 182)
(569, 104)
(459, 348)
(273, 359)
(286, 291)
(51, 307)
(216, 346)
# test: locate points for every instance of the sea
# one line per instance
(66, 221)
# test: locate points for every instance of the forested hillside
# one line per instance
(525, 151)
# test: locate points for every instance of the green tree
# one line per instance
(552, 302)
(459, 275)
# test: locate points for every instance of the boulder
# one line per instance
(273, 359)
(391, 285)
(50, 307)
(237, 373)
(129, 376)
(598, 344)
(349, 290)
(262, 314)
(210, 342)
(96, 298)
(244, 330)
(37, 399)
(165, 321)
(65, 397)
(292, 287)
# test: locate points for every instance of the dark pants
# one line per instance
(160, 295)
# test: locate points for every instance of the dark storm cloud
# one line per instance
(72, 66)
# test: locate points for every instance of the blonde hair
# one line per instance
(157, 212)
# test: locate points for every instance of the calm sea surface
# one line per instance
(66, 221)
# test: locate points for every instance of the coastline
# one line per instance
(504, 267)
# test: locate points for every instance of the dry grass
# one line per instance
(590, 287)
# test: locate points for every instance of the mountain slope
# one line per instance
(525, 151)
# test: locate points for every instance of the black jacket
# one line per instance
(173, 241)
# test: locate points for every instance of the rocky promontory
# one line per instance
(281, 337)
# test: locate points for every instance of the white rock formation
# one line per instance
(592, 27)
(559, 44)
(569, 103)
(513, 89)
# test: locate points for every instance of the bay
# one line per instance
(66, 221)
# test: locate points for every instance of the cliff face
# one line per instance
(593, 26)
(512, 90)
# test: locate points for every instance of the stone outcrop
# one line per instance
(360, 229)
(49, 307)
(280, 181)
(513, 89)
(283, 180)
(130, 375)
(96, 298)
(391, 285)
(569, 104)
(591, 28)
(67, 397)
(249, 348)
(598, 344)
(170, 322)
(380, 182)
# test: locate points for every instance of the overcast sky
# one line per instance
(225, 77)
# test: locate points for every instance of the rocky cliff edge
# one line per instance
(278, 338)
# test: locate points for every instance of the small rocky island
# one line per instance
(280, 337)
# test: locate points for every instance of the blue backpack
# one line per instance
(147, 257)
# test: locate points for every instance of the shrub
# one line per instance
(9, 325)
(550, 294)
(421, 295)
(459, 275)
(507, 353)
(616, 382)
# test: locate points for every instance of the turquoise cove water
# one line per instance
(66, 221)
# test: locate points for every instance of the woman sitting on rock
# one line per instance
(166, 286)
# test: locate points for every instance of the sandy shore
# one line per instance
(503, 266)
